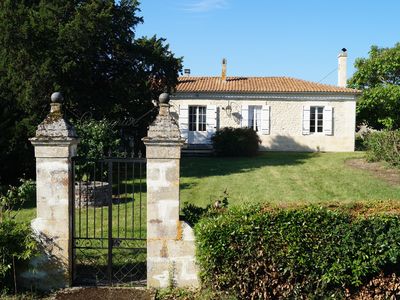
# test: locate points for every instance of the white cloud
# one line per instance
(206, 5)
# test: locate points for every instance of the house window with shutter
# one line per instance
(316, 119)
(255, 117)
(197, 118)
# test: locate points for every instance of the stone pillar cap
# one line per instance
(164, 130)
(57, 97)
(55, 127)
(164, 98)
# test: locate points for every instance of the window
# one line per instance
(197, 118)
(316, 118)
(255, 117)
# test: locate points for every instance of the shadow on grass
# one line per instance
(287, 143)
(219, 166)
(28, 204)
(187, 185)
(201, 167)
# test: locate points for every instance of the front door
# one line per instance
(197, 125)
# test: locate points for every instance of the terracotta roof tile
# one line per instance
(256, 85)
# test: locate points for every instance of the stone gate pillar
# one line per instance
(55, 143)
(170, 242)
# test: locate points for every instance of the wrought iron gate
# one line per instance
(109, 222)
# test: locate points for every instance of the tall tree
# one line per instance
(85, 48)
(379, 78)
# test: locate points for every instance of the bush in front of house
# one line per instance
(295, 254)
(384, 146)
(230, 141)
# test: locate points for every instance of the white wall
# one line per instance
(286, 115)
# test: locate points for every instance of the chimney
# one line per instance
(223, 75)
(342, 68)
(186, 72)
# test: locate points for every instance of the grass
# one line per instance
(26, 214)
(92, 222)
(282, 179)
(128, 233)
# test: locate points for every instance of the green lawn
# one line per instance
(277, 178)
(281, 178)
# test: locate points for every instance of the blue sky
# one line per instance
(299, 39)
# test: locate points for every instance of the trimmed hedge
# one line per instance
(301, 253)
(383, 146)
(236, 142)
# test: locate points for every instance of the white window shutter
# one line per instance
(328, 120)
(306, 120)
(211, 119)
(184, 120)
(265, 119)
(245, 116)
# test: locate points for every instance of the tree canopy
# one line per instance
(87, 49)
(379, 78)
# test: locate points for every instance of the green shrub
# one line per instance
(97, 138)
(193, 213)
(384, 146)
(16, 197)
(16, 246)
(300, 253)
(190, 294)
(236, 142)
(16, 241)
(360, 143)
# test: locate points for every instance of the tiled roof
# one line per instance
(256, 85)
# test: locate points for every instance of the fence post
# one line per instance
(170, 242)
(55, 144)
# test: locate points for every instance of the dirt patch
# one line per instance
(378, 170)
(387, 207)
(103, 293)
(380, 287)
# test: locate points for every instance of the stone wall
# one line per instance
(92, 193)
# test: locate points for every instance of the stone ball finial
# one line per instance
(164, 98)
(57, 97)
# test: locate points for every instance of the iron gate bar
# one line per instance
(80, 215)
(119, 197)
(140, 196)
(87, 207)
(126, 202)
(101, 212)
(133, 198)
(110, 181)
(72, 212)
(94, 206)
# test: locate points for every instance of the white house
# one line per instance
(288, 114)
